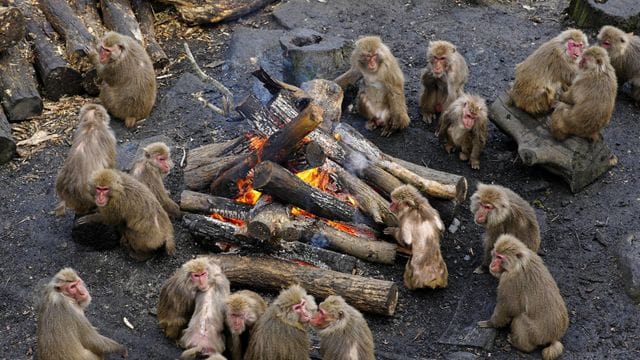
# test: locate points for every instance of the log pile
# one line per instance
(298, 191)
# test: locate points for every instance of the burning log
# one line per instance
(144, 14)
(200, 203)
(309, 156)
(12, 27)
(7, 143)
(273, 223)
(366, 294)
(198, 12)
(20, 97)
(277, 181)
(319, 257)
(200, 177)
(277, 148)
(211, 231)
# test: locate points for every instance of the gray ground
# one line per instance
(579, 231)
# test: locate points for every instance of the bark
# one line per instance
(7, 143)
(200, 203)
(319, 257)
(198, 12)
(118, 16)
(20, 97)
(12, 27)
(87, 11)
(144, 13)
(272, 224)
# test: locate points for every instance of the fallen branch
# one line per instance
(227, 98)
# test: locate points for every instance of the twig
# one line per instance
(184, 156)
(228, 96)
(198, 96)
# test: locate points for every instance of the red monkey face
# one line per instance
(105, 52)
(439, 65)
(372, 61)
(301, 310)
(77, 291)
(200, 280)
(482, 213)
(574, 48)
(468, 117)
(237, 322)
(322, 319)
(163, 163)
(394, 207)
(102, 195)
(496, 264)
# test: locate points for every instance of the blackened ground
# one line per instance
(579, 230)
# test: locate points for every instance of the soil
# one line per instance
(579, 231)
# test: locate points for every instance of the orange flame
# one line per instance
(337, 136)
(233, 221)
(315, 177)
(343, 227)
(256, 142)
(296, 211)
(247, 195)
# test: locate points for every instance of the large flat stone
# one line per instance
(624, 14)
(463, 329)
(628, 255)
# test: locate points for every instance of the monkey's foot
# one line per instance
(428, 118)
(448, 148)
(130, 122)
(480, 270)
(463, 156)
(484, 324)
(475, 164)
(371, 125)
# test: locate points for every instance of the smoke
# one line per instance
(356, 163)
(319, 240)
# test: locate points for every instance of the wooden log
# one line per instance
(210, 231)
(7, 143)
(206, 204)
(273, 179)
(366, 294)
(56, 75)
(277, 148)
(87, 11)
(272, 224)
(20, 97)
(199, 178)
(260, 117)
(578, 161)
(319, 257)
(198, 12)
(207, 162)
(144, 13)
(624, 14)
(12, 27)
(118, 16)
(78, 40)
(426, 186)
(380, 179)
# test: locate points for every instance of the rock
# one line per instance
(463, 329)
(257, 48)
(624, 14)
(628, 256)
(461, 355)
(310, 55)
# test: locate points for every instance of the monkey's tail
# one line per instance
(552, 351)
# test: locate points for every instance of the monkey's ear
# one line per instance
(146, 154)
(599, 61)
(519, 255)
(340, 314)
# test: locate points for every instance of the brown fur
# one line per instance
(249, 306)
(548, 68)
(64, 333)
(381, 98)
(528, 299)
(343, 331)
(587, 106)
(208, 313)
(624, 54)
(145, 225)
(419, 228)
(148, 171)
(511, 215)
(470, 142)
(128, 88)
(281, 333)
(441, 91)
(94, 148)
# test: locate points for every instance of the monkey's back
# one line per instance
(627, 66)
(272, 339)
(338, 344)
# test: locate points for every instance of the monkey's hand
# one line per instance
(391, 230)
(485, 324)
(88, 219)
(123, 352)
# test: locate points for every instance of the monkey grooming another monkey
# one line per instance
(343, 331)
(528, 299)
(442, 80)
(502, 211)
(552, 66)
(419, 228)
(203, 336)
(624, 54)
(128, 88)
(64, 333)
(94, 148)
(464, 126)
(125, 202)
(381, 98)
(151, 169)
(281, 332)
(243, 310)
(587, 106)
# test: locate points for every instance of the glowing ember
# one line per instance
(343, 227)
(351, 200)
(233, 221)
(257, 142)
(315, 177)
(337, 136)
(246, 193)
(296, 211)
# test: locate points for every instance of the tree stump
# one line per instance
(624, 14)
(310, 55)
(7, 143)
(11, 27)
(576, 160)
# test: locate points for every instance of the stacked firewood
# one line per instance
(304, 192)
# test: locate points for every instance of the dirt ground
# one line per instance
(579, 231)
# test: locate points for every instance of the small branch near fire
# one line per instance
(227, 99)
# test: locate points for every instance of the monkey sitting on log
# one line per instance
(528, 299)
(151, 169)
(587, 106)
(243, 310)
(281, 332)
(128, 81)
(442, 80)
(125, 202)
(64, 332)
(464, 126)
(419, 228)
(502, 211)
(343, 331)
(624, 54)
(381, 98)
(551, 67)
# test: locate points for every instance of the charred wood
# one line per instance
(7, 143)
(20, 97)
(206, 204)
(12, 27)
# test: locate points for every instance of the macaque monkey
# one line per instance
(94, 148)
(281, 332)
(442, 80)
(528, 299)
(419, 228)
(587, 106)
(343, 331)
(151, 169)
(64, 333)
(552, 66)
(624, 54)
(125, 202)
(502, 211)
(244, 308)
(464, 126)
(381, 97)
(203, 336)
(128, 88)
